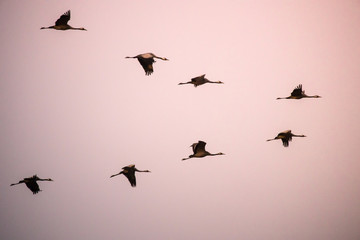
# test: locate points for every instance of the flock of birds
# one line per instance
(146, 60)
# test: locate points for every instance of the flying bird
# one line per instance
(200, 80)
(62, 23)
(199, 151)
(146, 60)
(298, 93)
(129, 172)
(286, 137)
(31, 183)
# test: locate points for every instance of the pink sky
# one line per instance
(75, 110)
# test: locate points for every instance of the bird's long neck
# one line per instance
(46, 179)
(162, 58)
(215, 154)
(294, 135)
(75, 28)
(136, 170)
(218, 82)
(315, 96)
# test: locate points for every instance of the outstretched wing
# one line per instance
(131, 177)
(147, 64)
(297, 91)
(200, 147)
(33, 186)
(198, 80)
(129, 167)
(285, 142)
(63, 20)
(195, 79)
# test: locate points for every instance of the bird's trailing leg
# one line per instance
(116, 174)
(16, 183)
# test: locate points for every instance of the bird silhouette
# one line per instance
(298, 93)
(31, 183)
(286, 137)
(129, 172)
(200, 80)
(146, 60)
(61, 23)
(199, 151)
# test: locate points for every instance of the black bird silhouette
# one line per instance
(129, 172)
(200, 80)
(146, 60)
(199, 151)
(298, 93)
(62, 23)
(31, 183)
(286, 137)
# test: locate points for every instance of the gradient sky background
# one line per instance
(75, 110)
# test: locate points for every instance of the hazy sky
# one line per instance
(75, 110)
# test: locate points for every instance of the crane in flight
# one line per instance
(298, 93)
(62, 23)
(286, 137)
(199, 151)
(146, 60)
(200, 80)
(129, 172)
(31, 183)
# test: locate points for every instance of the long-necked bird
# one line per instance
(298, 93)
(31, 183)
(199, 151)
(62, 23)
(146, 60)
(200, 80)
(286, 137)
(129, 172)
